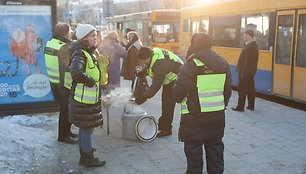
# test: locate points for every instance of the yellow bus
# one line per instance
(157, 28)
(280, 30)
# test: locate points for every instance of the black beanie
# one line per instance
(145, 52)
(201, 41)
(249, 32)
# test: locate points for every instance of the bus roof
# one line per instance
(241, 6)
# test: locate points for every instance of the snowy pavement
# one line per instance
(269, 140)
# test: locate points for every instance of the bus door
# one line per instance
(289, 75)
(299, 68)
(283, 57)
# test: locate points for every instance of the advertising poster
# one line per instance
(24, 32)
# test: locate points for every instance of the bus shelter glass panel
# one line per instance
(284, 38)
(301, 46)
(24, 32)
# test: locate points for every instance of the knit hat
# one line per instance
(249, 32)
(201, 41)
(145, 52)
(83, 29)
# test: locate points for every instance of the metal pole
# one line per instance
(107, 117)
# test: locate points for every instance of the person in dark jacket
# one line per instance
(85, 100)
(246, 68)
(65, 84)
(62, 35)
(130, 63)
(203, 87)
(162, 66)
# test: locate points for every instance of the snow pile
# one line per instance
(23, 148)
(31, 120)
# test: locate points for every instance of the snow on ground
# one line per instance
(28, 144)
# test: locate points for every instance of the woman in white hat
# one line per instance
(85, 95)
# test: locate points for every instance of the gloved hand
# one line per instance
(142, 73)
(140, 100)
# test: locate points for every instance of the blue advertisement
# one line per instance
(24, 31)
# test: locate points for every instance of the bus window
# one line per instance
(259, 23)
(204, 26)
(195, 26)
(284, 37)
(200, 26)
(187, 24)
(225, 31)
(301, 45)
(163, 33)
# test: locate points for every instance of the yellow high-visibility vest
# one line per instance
(85, 94)
(164, 54)
(210, 91)
(51, 59)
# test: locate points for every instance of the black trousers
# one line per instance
(62, 97)
(246, 88)
(214, 149)
(168, 105)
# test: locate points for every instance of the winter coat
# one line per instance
(197, 125)
(129, 64)
(248, 60)
(114, 51)
(64, 61)
(86, 116)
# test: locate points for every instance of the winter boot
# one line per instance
(91, 161)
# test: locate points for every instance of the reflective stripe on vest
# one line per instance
(51, 59)
(68, 80)
(84, 94)
(159, 54)
(210, 91)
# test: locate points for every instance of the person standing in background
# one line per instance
(110, 47)
(85, 96)
(203, 87)
(130, 63)
(57, 63)
(246, 68)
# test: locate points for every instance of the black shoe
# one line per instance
(250, 108)
(237, 109)
(163, 133)
(68, 140)
(73, 135)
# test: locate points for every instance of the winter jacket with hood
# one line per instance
(199, 126)
(129, 64)
(86, 116)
